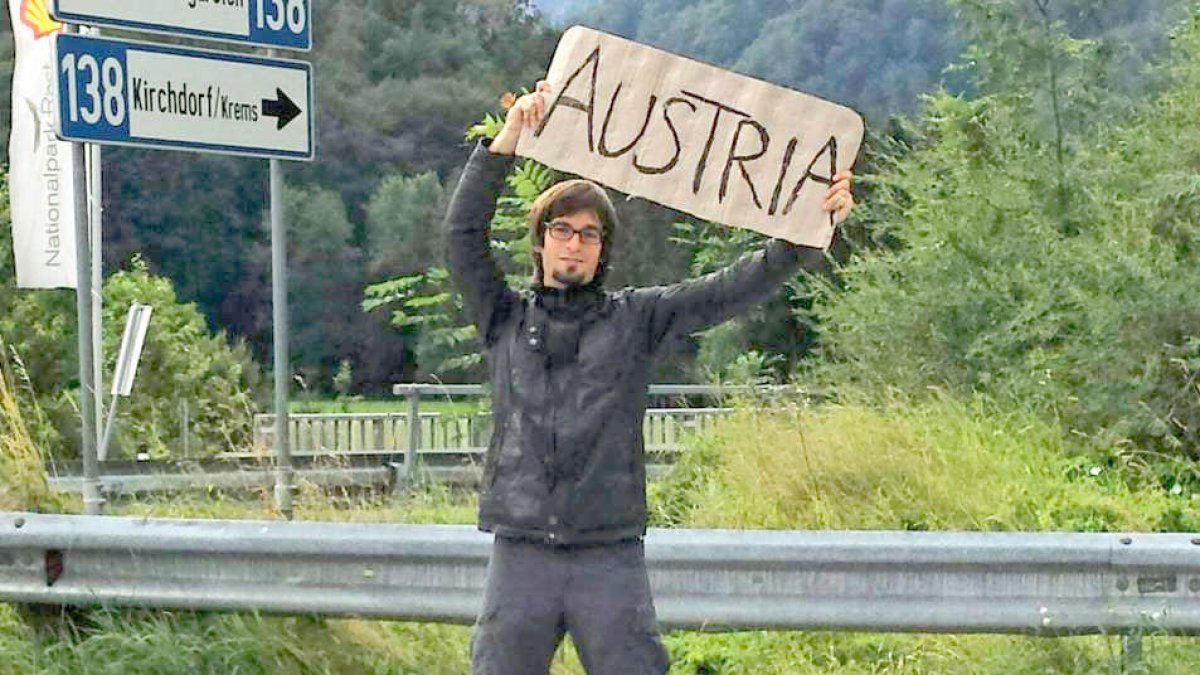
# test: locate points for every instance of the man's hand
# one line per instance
(525, 113)
(839, 200)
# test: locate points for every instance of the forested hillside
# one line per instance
(399, 82)
(878, 56)
(1038, 82)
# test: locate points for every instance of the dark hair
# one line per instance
(563, 199)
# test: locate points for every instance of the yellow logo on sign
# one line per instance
(35, 15)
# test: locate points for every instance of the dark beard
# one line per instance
(568, 279)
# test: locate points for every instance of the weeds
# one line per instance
(940, 465)
(23, 484)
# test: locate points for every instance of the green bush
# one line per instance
(1053, 273)
(181, 362)
(937, 465)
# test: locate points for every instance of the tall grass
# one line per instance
(943, 464)
(23, 484)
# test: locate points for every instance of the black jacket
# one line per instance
(569, 371)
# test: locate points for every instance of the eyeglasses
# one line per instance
(589, 236)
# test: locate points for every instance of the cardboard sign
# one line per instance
(722, 146)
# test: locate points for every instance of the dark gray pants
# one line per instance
(536, 593)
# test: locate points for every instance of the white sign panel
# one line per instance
(272, 23)
(41, 185)
(132, 341)
(722, 146)
(131, 93)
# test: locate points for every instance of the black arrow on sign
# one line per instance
(282, 108)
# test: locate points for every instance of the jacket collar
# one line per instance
(570, 302)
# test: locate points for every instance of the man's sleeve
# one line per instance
(706, 301)
(468, 235)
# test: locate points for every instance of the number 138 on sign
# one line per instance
(94, 83)
(120, 92)
(275, 14)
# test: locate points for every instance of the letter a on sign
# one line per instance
(718, 145)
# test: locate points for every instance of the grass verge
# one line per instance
(941, 465)
(23, 484)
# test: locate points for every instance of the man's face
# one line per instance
(571, 258)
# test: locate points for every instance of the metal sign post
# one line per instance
(95, 200)
(119, 92)
(283, 455)
(92, 499)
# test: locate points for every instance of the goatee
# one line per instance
(568, 278)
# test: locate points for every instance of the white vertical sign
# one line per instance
(132, 341)
(40, 175)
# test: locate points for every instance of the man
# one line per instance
(564, 487)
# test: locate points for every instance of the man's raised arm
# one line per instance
(468, 235)
(470, 213)
(706, 301)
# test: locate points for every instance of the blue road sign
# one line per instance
(285, 24)
(118, 92)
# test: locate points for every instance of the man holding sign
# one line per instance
(564, 480)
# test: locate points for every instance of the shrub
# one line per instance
(937, 465)
(181, 362)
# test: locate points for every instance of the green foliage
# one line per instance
(325, 281)
(878, 56)
(402, 225)
(402, 80)
(138, 641)
(135, 641)
(425, 305)
(398, 82)
(343, 378)
(1028, 263)
(944, 464)
(819, 653)
(941, 465)
(181, 363)
(23, 485)
(38, 332)
(760, 345)
(488, 128)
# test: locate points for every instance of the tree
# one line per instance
(403, 217)
(1092, 325)
(425, 306)
(324, 285)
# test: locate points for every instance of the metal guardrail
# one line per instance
(1044, 583)
(390, 476)
(393, 476)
